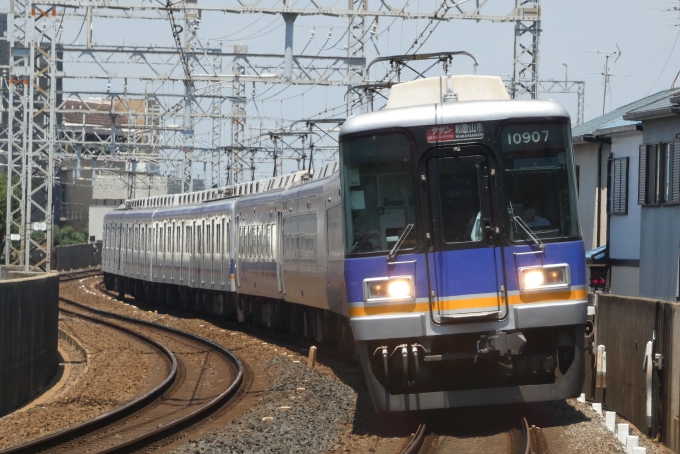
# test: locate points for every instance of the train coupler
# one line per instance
(502, 342)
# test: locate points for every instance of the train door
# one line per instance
(137, 250)
(181, 251)
(279, 252)
(142, 250)
(191, 231)
(466, 279)
(199, 252)
(222, 249)
(173, 251)
(211, 236)
(117, 247)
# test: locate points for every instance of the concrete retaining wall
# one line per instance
(625, 325)
(78, 256)
(29, 311)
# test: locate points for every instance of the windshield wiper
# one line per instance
(397, 245)
(519, 221)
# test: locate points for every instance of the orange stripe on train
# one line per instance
(468, 303)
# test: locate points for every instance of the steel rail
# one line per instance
(416, 441)
(89, 426)
(68, 276)
(167, 429)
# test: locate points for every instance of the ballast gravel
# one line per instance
(302, 410)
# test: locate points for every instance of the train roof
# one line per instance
(452, 112)
(449, 100)
(273, 184)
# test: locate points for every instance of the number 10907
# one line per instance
(527, 137)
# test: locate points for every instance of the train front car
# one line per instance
(464, 263)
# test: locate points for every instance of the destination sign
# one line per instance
(451, 133)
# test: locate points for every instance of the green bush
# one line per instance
(67, 236)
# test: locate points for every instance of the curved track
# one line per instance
(203, 376)
(518, 439)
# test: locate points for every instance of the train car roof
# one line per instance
(452, 112)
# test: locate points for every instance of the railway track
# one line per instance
(67, 276)
(202, 378)
(519, 439)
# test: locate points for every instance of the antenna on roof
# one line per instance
(607, 55)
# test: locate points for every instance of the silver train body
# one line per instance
(300, 254)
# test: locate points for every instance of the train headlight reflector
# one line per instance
(547, 277)
(378, 290)
(385, 289)
(399, 288)
(554, 276)
(533, 278)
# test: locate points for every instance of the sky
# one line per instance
(646, 32)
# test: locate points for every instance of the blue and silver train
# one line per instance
(444, 249)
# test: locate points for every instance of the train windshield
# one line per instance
(378, 192)
(538, 181)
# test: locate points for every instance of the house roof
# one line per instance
(660, 107)
(589, 127)
(618, 126)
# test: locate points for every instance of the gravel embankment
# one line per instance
(594, 430)
(303, 410)
(118, 372)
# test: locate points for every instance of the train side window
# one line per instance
(263, 237)
(227, 239)
(213, 239)
(378, 193)
(251, 252)
(247, 242)
(208, 240)
(218, 238)
(187, 238)
(240, 241)
(199, 235)
(161, 244)
(300, 237)
(178, 239)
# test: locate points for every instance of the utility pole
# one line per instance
(606, 74)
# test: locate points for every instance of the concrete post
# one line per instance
(622, 432)
(311, 360)
(610, 420)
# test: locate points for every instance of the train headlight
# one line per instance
(544, 277)
(399, 288)
(533, 278)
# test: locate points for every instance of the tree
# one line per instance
(66, 236)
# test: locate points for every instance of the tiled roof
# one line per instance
(596, 123)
